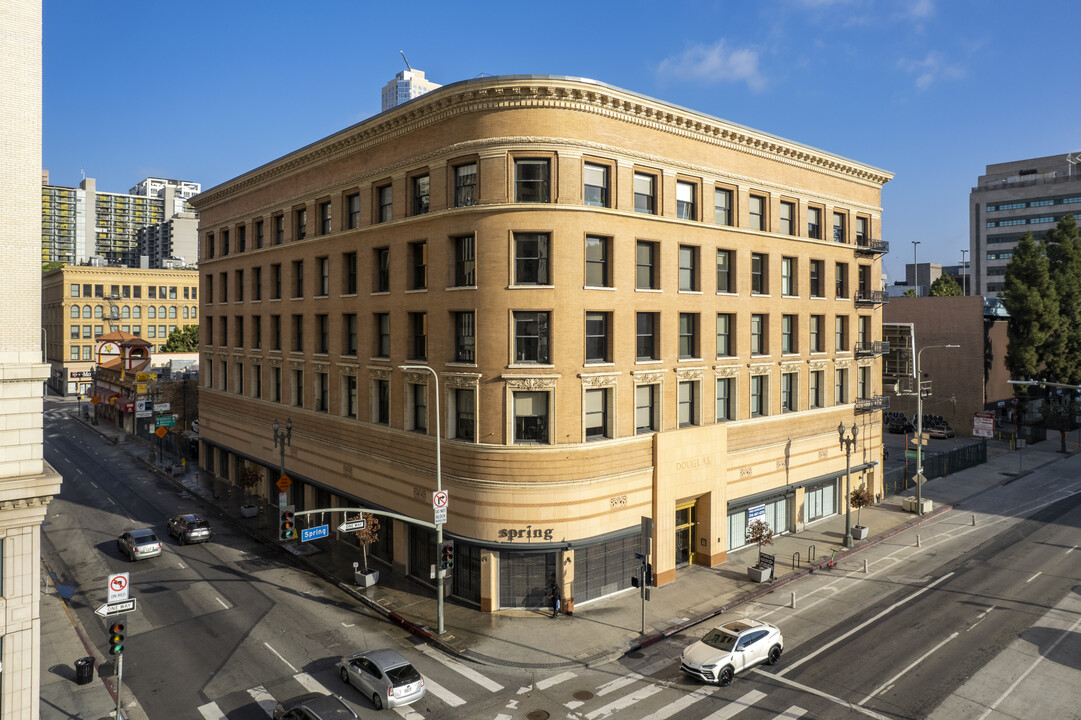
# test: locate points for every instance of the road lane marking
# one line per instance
(264, 699)
(280, 657)
(466, 672)
(737, 706)
(682, 703)
(311, 684)
(1070, 550)
(624, 702)
(832, 698)
(408, 713)
(981, 618)
(211, 711)
(555, 680)
(793, 713)
(442, 693)
(222, 602)
(618, 683)
(862, 625)
(1034, 576)
(914, 663)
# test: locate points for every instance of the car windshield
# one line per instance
(719, 639)
(402, 675)
(198, 524)
(145, 539)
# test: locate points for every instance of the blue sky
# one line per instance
(930, 90)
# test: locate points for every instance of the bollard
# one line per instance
(792, 602)
(917, 541)
(865, 566)
(973, 521)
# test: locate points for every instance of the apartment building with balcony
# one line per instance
(633, 309)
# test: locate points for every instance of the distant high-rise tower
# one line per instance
(405, 86)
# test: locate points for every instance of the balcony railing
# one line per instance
(874, 297)
(878, 347)
(879, 402)
(872, 246)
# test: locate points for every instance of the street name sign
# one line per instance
(314, 533)
(117, 607)
(352, 525)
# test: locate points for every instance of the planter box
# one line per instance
(859, 532)
(366, 578)
(249, 511)
(759, 574)
(909, 504)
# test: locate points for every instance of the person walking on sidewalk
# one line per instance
(556, 599)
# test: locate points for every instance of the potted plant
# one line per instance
(760, 533)
(247, 479)
(861, 497)
(366, 536)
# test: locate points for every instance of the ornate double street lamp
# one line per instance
(283, 438)
(848, 444)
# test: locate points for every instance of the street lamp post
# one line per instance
(915, 269)
(919, 426)
(440, 572)
(283, 438)
(848, 444)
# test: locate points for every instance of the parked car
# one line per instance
(902, 426)
(384, 676)
(139, 544)
(190, 528)
(315, 706)
(732, 648)
(941, 431)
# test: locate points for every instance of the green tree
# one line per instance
(945, 286)
(1062, 356)
(1031, 300)
(911, 292)
(185, 339)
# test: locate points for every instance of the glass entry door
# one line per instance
(685, 534)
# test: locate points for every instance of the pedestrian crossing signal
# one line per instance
(116, 638)
(287, 528)
(446, 555)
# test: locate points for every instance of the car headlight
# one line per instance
(709, 666)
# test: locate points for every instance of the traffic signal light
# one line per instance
(287, 527)
(116, 638)
(446, 555)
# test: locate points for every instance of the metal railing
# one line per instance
(872, 245)
(898, 479)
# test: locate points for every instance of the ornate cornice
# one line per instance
(462, 381)
(416, 377)
(689, 374)
(842, 363)
(530, 382)
(274, 361)
(380, 372)
(760, 368)
(348, 369)
(297, 364)
(817, 364)
(791, 366)
(647, 377)
(726, 371)
(599, 380)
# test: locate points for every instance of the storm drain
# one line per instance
(538, 715)
(583, 695)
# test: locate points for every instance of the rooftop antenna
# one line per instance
(406, 61)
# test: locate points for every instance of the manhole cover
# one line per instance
(636, 655)
(537, 715)
(583, 695)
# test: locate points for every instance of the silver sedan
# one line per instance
(383, 676)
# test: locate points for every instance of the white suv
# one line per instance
(731, 648)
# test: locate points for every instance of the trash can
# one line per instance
(84, 670)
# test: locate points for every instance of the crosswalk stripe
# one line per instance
(555, 680)
(265, 700)
(467, 672)
(211, 711)
(793, 713)
(682, 703)
(442, 693)
(618, 683)
(737, 706)
(624, 702)
(408, 713)
(311, 684)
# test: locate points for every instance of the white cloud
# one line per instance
(931, 69)
(920, 9)
(714, 64)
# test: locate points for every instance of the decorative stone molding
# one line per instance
(531, 382)
(726, 371)
(760, 368)
(865, 362)
(647, 377)
(462, 381)
(817, 365)
(321, 366)
(24, 503)
(274, 362)
(380, 372)
(841, 363)
(348, 370)
(416, 377)
(296, 364)
(791, 366)
(599, 380)
(689, 374)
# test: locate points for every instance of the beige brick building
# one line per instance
(633, 309)
(27, 482)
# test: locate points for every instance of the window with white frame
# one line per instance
(531, 259)
(686, 208)
(815, 399)
(595, 179)
(596, 420)
(726, 406)
(530, 416)
(465, 185)
(840, 386)
(722, 206)
(531, 337)
(645, 194)
(789, 391)
(759, 395)
(688, 268)
(687, 402)
(531, 180)
(598, 268)
(646, 418)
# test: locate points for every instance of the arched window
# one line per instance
(152, 312)
(75, 312)
(114, 312)
(125, 312)
(137, 312)
(194, 312)
(185, 312)
(161, 311)
(172, 312)
(98, 311)
(86, 312)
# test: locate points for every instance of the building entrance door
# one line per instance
(685, 533)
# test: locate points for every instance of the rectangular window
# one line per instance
(381, 270)
(349, 332)
(322, 392)
(349, 273)
(322, 266)
(861, 230)
(646, 336)
(759, 395)
(645, 409)
(224, 244)
(686, 411)
(257, 283)
(788, 276)
(419, 408)
(279, 229)
(531, 179)
(595, 178)
(817, 273)
(863, 383)
(757, 212)
(759, 274)
(863, 281)
(275, 282)
(814, 395)
(840, 386)
(298, 278)
(688, 335)
(74, 291)
(596, 414)
(688, 268)
(597, 341)
(381, 402)
(385, 200)
(726, 408)
(789, 334)
(465, 337)
(297, 388)
(275, 332)
(464, 414)
(645, 194)
(789, 388)
(531, 337)
(531, 259)
(382, 334)
(725, 348)
(421, 194)
(841, 333)
(298, 333)
(322, 334)
(465, 185)
(530, 417)
(759, 328)
(324, 218)
(349, 396)
(418, 332)
(276, 384)
(838, 227)
(722, 206)
(352, 209)
(598, 272)
(686, 209)
(465, 262)
(841, 276)
(814, 223)
(238, 330)
(818, 323)
(302, 223)
(788, 216)
(418, 261)
(258, 234)
(724, 272)
(646, 265)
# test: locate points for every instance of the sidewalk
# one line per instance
(612, 626)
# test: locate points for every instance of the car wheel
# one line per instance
(377, 701)
(724, 679)
(345, 676)
(774, 655)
